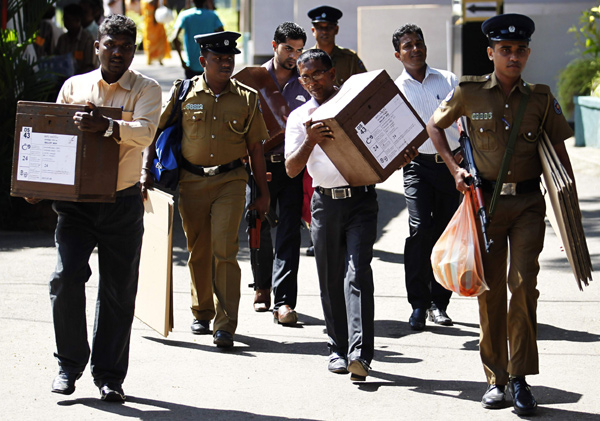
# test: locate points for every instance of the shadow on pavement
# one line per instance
(161, 410)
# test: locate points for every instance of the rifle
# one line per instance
(474, 181)
(255, 224)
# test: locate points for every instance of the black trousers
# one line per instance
(343, 232)
(279, 269)
(432, 200)
(117, 229)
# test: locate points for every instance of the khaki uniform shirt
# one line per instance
(490, 119)
(138, 96)
(217, 128)
(346, 63)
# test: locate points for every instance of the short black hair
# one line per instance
(315, 54)
(289, 30)
(73, 10)
(199, 3)
(409, 28)
(117, 25)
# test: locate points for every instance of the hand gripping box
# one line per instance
(274, 106)
(53, 159)
(373, 125)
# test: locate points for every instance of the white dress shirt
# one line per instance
(319, 166)
(425, 98)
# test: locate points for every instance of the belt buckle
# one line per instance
(341, 193)
(211, 171)
(276, 158)
(509, 189)
(438, 158)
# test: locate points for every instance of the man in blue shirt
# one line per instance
(195, 21)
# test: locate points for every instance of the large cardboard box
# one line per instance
(53, 159)
(274, 106)
(373, 125)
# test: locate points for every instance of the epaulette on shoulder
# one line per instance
(473, 79)
(347, 51)
(241, 87)
(540, 89)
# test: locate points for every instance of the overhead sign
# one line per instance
(480, 10)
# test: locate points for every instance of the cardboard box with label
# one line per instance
(273, 104)
(373, 125)
(53, 159)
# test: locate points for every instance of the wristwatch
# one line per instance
(109, 131)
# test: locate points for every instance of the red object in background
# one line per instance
(4, 13)
(308, 192)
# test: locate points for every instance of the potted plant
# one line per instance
(581, 77)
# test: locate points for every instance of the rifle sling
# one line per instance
(510, 148)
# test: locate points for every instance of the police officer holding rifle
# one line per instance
(506, 117)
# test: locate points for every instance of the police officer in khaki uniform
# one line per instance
(222, 122)
(490, 104)
(325, 28)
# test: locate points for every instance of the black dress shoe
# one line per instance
(417, 319)
(337, 364)
(439, 316)
(494, 397)
(200, 327)
(110, 392)
(223, 339)
(359, 369)
(523, 400)
(310, 251)
(64, 383)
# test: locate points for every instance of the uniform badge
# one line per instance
(511, 29)
(226, 42)
(557, 108)
(194, 106)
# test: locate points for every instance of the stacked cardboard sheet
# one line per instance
(154, 301)
(564, 213)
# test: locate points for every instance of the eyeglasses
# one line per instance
(315, 77)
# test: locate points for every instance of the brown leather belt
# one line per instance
(512, 189)
(434, 157)
(209, 171)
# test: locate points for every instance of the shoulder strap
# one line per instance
(182, 92)
(510, 148)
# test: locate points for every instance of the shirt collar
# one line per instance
(204, 87)
(126, 81)
(493, 82)
(429, 71)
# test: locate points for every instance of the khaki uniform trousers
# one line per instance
(517, 229)
(211, 209)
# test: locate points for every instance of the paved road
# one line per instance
(277, 372)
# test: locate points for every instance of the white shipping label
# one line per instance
(47, 157)
(388, 133)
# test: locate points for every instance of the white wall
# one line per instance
(368, 28)
(376, 25)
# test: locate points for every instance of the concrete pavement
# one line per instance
(276, 372)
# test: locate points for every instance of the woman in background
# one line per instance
(155, 41)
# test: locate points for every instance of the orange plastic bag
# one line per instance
(456, 257)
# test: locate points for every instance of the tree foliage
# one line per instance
(19, 80)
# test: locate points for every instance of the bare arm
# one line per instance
(438, 137)
(315, 134)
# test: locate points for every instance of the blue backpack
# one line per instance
(165, 168)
